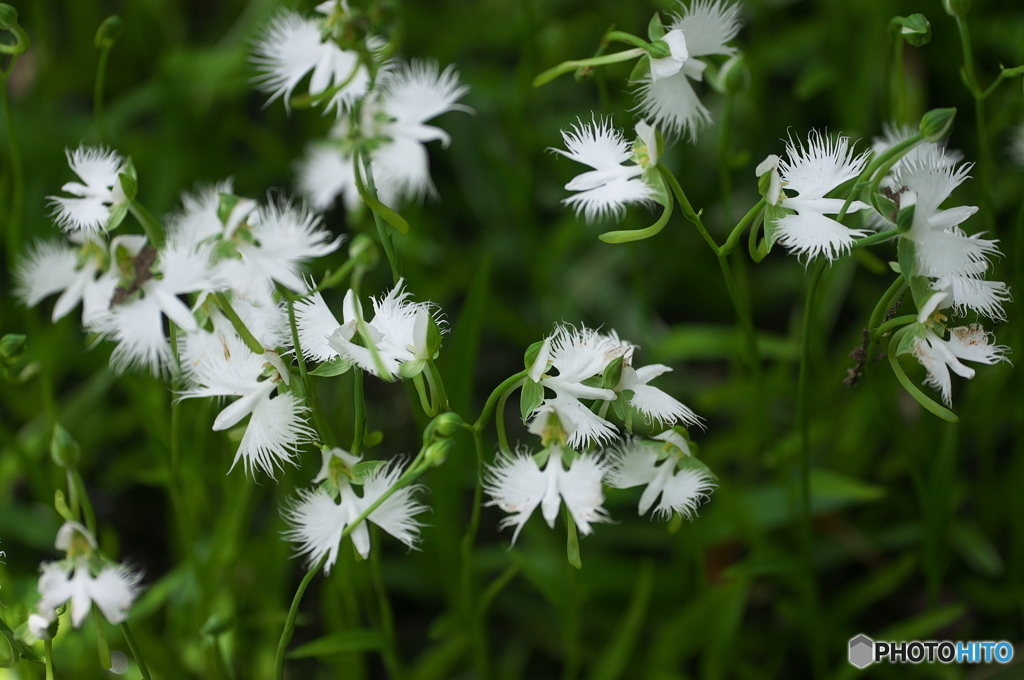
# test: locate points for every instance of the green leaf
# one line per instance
(976, 550)
(612, 662)
(572, 542)
(530, 397)
(340, 643)
(837, 487)
(464, 344)
(655, 29)
(331, 368)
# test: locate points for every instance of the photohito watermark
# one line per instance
(864, 651)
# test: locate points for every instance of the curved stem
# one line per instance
(628, 235)
(912, 389)
(875, 239)
(293, 612)
(97, 95)
(426, 403)
(437, 386)
(688, 212)
(737, 231)
(136, 652)
(724, 178)
(370, 190)
(897, 151)
(150, 225)
(893, 324)
(499, 424)
(236, 322)
(507, 385)
(572, 65)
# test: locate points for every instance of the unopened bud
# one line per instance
(63, 449)
(916, 30)
(957, 8)
(447, 424)
(437, 453)
(12, 347)
(659, 49)
(937, 124)
(108, 33)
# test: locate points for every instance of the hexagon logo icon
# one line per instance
(862, 651)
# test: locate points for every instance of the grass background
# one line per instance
(918, 529)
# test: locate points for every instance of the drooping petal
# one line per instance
(683, 493)
(114, 590)
(580, 488)
(316, 324)
(516, 485)
(397, 514)
(316, 522)
(708, 25)
(275, 431)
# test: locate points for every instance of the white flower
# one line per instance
(813, 171)
(136, 323)
(636, 462)
(285, 236)
(971, 343)
(112, 589)
(704, 28)
(396, 334)
(578, 355)
(327, 171)
(317, 520)
(90, 209)
(976, 294)
(80, 274)
(650, 401)
(199, 220)
(611, 185)
(518, 485)
(941, 248)
(410, 95)
(220, 365)
(293, 46)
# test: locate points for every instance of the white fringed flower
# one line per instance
(669, 100)
(813, 171)
(611, 185)
(681, 490)
(90, 209)
(517, 485)
(220, 365)
(111, 588)
(327, 172)
(938, 355)
(975, 294)
(199, 220)
(284, 237)
(396, 334)
(941, 248)
(318, 519)
(291, 47)
(578, 355)
(655, 404)
(410, 95)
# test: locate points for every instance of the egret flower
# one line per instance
(938, 355)
(680, 489)
(517, 485)
(318, 518)
(612, 184)
(813, 171)
(665, 94)
(90, 209)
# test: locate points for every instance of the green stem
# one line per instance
(688, 212)
(883, 302)
(875, 239)
(382, 230)
(102, 644)
(48, 650)
(623, 37)
(426, 403)
(236, 322)
(737, 231)
(293, 612)
(17, 172)
(806, 516)
(359, 421)
(499, 424)
(437, 386)
(387, 619)
(628, 235)
(898, 84)
(97, 96)
(894, 153)
(136, 652)
(893, 324)
(568, 66)
(508, 385)
(321, 425)
(474, 625)
(910, 387)
(724, 177)
(150, 225)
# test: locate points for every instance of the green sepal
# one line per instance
(916, 30)
(433, 338)
(640, 69)
(411, 369)
(622, 411)
(895, 266)
(772, 215)
(60, 504)
(659, 49)
(361, 471)
(117, 214)
(909, 338)
(373, 438)
(12, 347)
(612, 374)
(655, 29)
(654, 180)
(572, 542)
(531, 354)
(329, 369)
(530, 398)
(226, 206)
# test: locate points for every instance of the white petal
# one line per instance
(684, 492)
(315, 323)
(113, 590)
(275, 431)
(708, 25)
(516, 485)
(316, 522)
(580, 488)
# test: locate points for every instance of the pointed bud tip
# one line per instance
(937, 124)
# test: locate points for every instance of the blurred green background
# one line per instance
(919, 531)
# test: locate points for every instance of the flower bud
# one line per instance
(659, 49)
(8, 17)
(437, 453)
(957, 8)
(12, 347)
(916, 30)
(447, 424)
(734, 76)
(63, 449)
(937, 124)
(109, 32)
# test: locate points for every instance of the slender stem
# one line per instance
(48, 650)
(737, 231)
(359, 421)
(893, 324)
(623, 37)
(910, 387)
(293, 612)
(426, 403)
(508, 385)
(437, 384)
(236, 322)
(897, 151)
(875, 239)
(136, 652)
(499, 423)
(806, 516)
(473, 623)
(102, 644)
(321, 425)
(569, 66)
(883, 302)
(17, 173)
(97, 96)
(724, 177)
(688, 212)
(387, 619)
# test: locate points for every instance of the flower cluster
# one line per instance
(582, 364)
(383, 107)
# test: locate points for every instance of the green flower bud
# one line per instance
(937, 124)
(659, 49)
(109, 32)
(437, 453)
(63, 449)
(612, 374)
(447, 424)
(12, 347)
(916, 30)
(226, 206)
(8, 17)
(957, 8)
